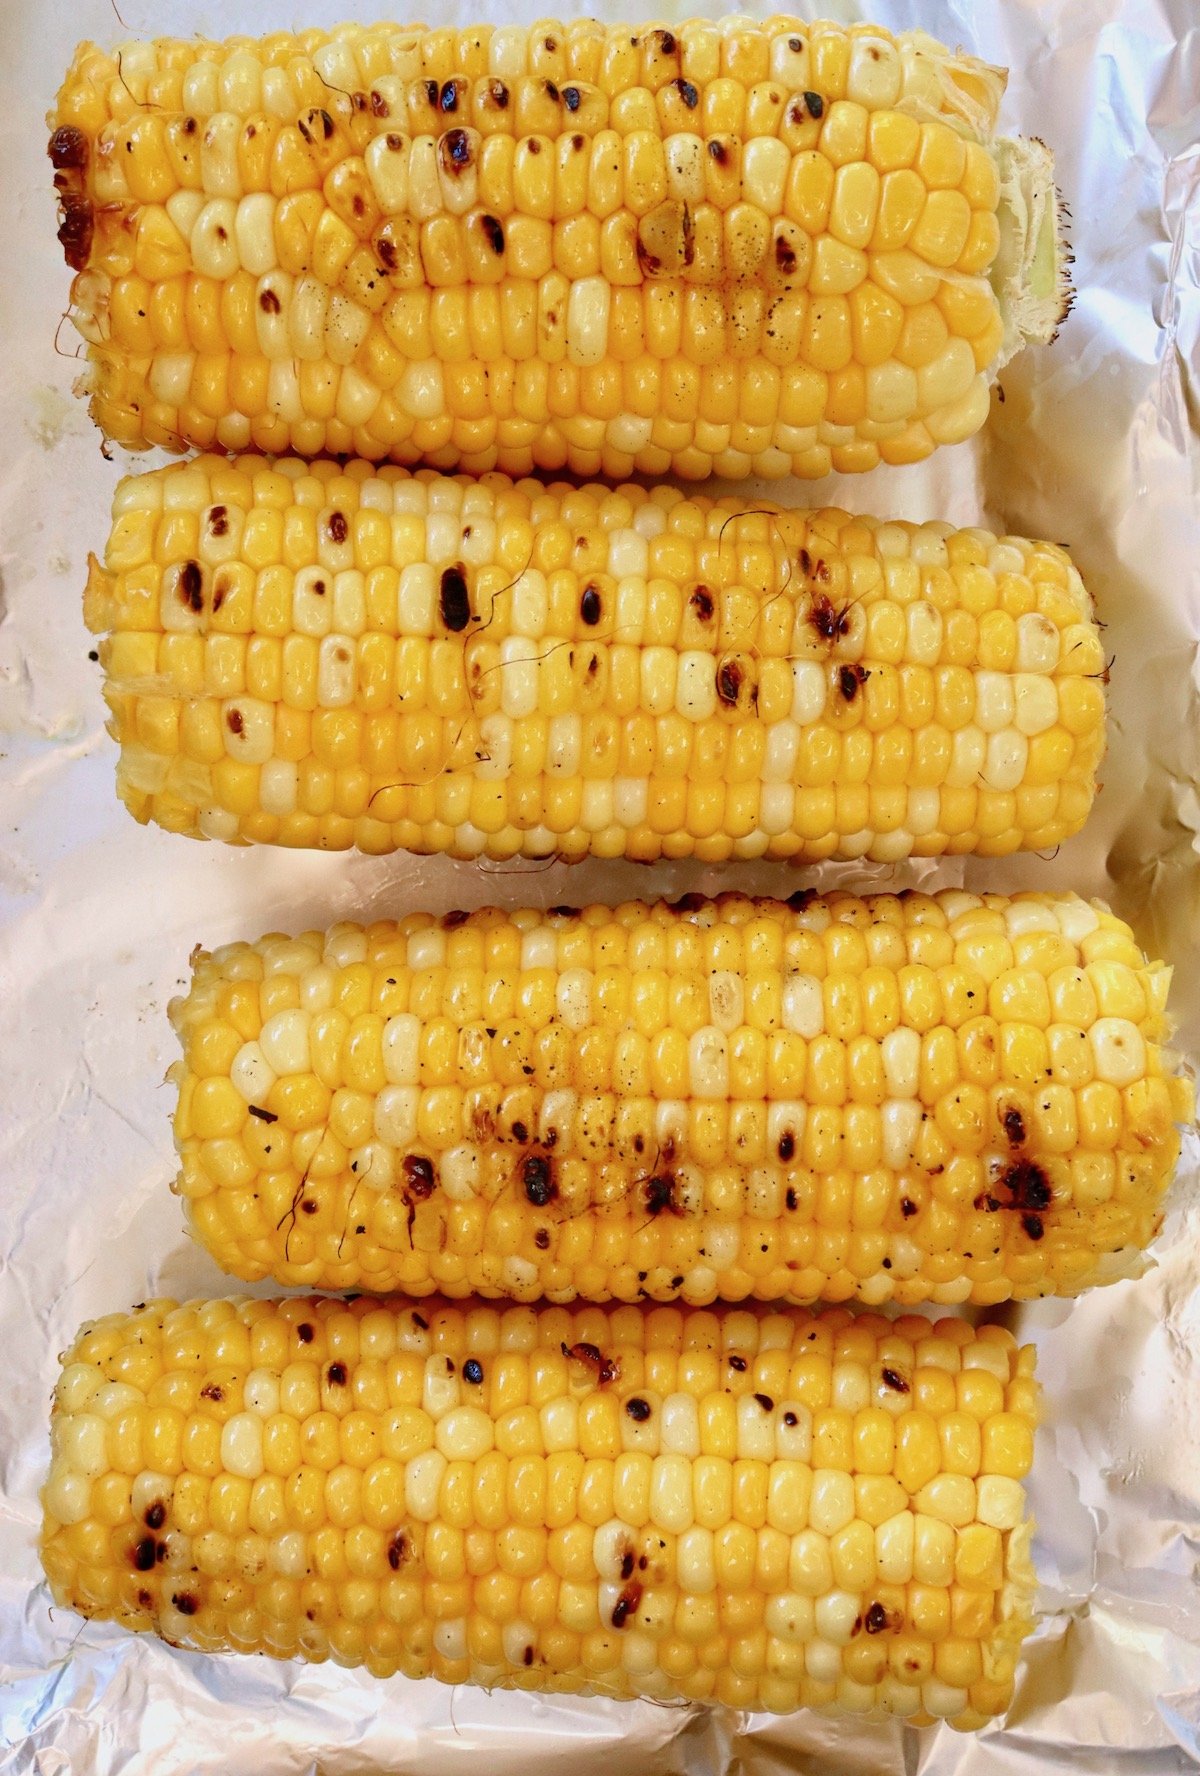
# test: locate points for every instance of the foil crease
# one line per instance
(1095, 442)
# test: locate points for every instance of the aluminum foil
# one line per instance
(1093, 442)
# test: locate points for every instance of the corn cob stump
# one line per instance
(774, 1511)
(776, 248)
(330, 656)
(907, 1099)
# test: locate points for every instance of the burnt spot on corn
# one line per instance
(537, 1177)
(218, 521)
(851, 679)
(551, 91)
(572, 98)
(766, 1402)
(520, 1132)
(451, 920)
(145, 1599)
(68, 148)
(1014, 1126)
(454, 151)
(986, 1203)
(1033, 1226)
(606, 1368)
(269, 302)
(497, 94)
(790, 1419)
(454, 603)
(541, 1239)
(419, 1177)
(1028, 1186)
(235, 721)
(590, 608)
(185, 1603)
(814, 104)
(908, 1207)
(687, 92)
(785, 256)
(473, 1371)
(337, 527)
(75, 228)
(638, 1409)
(314, 123)
(801, 900)
(155, 1515)
(660, 1195)
(876, 1619)
(787, 1145)
(719, 151)
(533, 145)
(190, 586)
(527, 1656)
(304, 1332)
(701, 601)
(144, 1555)
(449, 96)
(791, 1198)
(335, 1375)
(891, 1378)
(214, 1392)
(398, 1550)
(738, 1364)
(308, 1206)
(729, 682)
(493, 230)
(626, 1603)
(379, 106)
(628, 1562)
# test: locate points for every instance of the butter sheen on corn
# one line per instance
(324, 655)
(734, 247)
(771, 1511)
(911, 1098)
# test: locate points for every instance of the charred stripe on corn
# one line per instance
(947, 1098)
(729, 1507)
(331, 656)
(737, 247)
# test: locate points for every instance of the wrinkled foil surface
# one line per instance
(1094, 442)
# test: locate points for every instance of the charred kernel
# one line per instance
(666, 42)
(1014, 1126)
(473, 1371)
(893, 1380)
(551, 91)
(235, 721)
(520, 1132)
(638, 1410)
(261, 1115)
(335, 1375)
(455, 149)
(628, 1563)
(785, 255)
(493, 228)
(145, 1599)
(218, 521)
(190, 586)
(309, 1206)
(908, 1207)
(338, 530)
(789, 1419)
(626, 1604)
(451, 920)
(589, 606)
(851, 680)
(987, 1204)
(420, 1322)
(718, 151)
(269, 302)
(68, 147)
(214, 1391)
(876, 1619)
(498, 94)
(528, 1655)
(738, 1363)
(801, 900)
(791, 1198)
(766, 1402)
(815, 104)
(787, 1145)
(379, 105)
(564, 912)
(185, 1603)
(729, 681)
(75, 229)
(304, 1332)
(1033, 1226)
(455, 603)
(156, 1515)
(572, 98)
(541, 1239)
(701, 602)
(419, 1176)
(397, 1551)
(660, 1195)
(448, 98)
(537, 1178)
(687, 93)
(1028, 1185)
(144, 1554)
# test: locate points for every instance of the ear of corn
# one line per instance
(906, 1099)
(333, 656)
(775, 247)
(771, 1512)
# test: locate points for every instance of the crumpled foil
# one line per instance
(1094, 443)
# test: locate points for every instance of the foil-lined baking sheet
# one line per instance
(1093, 442)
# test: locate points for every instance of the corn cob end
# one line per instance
(1030, 274)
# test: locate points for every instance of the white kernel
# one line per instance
(423, 1484)
(783, 745)
(242, 1445)
(822, 1660)
(803, 1005)
(809, 692)
(901, 1126)
(1076, 918)
(248, 726)
(1000, 1501)
(790, 66)
(685, 167)
(610, 1544)
(1119, 1049)
(530, 604)
(420, 391)
(1036, 701)
(387, 168)
(831, 1503)
(442, 1389)
(465, 1434)
(254, 231)
(539, 948)
(835, 1615)
(76, 1386)
(1038, 643)
(573, 998)
(628, 555)
(564, 745)
(628, 433)
(695, 1559)
(926, 632)
(968, 758)
(1006, 761)
(680, 1425)
(696, 685)
(588, 309)
(219, 824)
(755, 1430)
(427, 948)
(790, 1616)
(671, 1493)
(850, 1388)
(891, 391)
(289, 1555)
(942, 1700)
(766, 162)
(726, 999)
(67, 1495)
(894, 1543)
(336, 671)
(373, 1165)
(994, 702)
(396, 1115)
(519, 664)
(262, 1392)
(283, 1041)
(278, 786)
(873, 78)
(459, 1173)
(250, 1075)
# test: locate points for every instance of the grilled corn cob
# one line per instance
(332, 656)
(772, 1511)
(772, 247)
(908, 1099)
